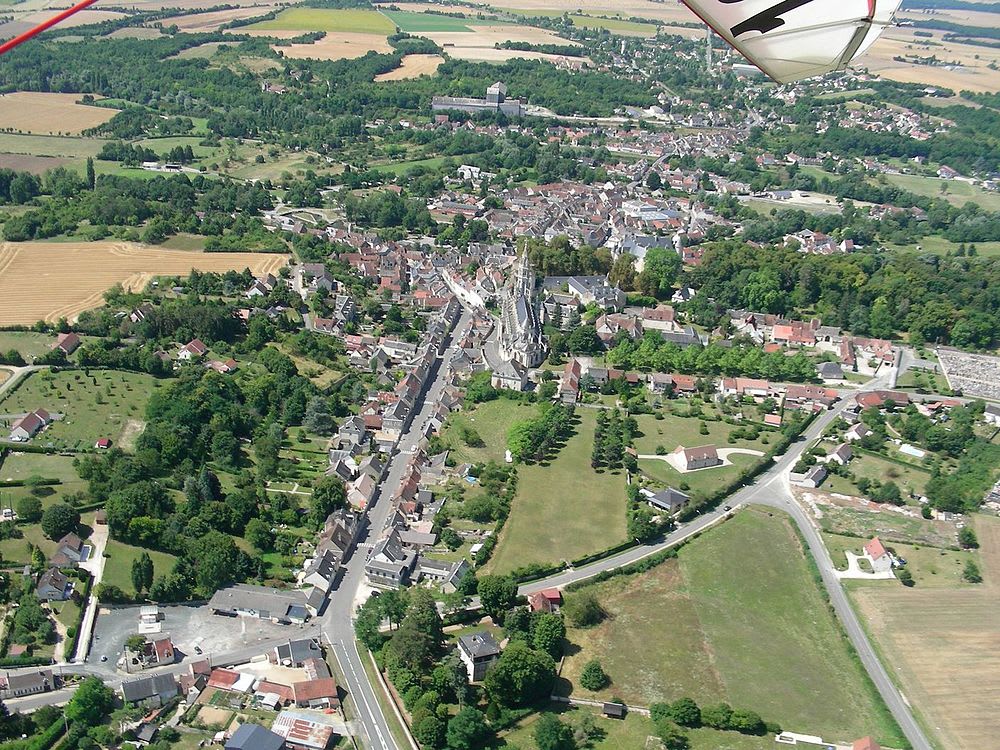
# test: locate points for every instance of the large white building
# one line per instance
(520, 328)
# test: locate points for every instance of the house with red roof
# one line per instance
(878, 555)
(866, 743)
(194, 349)
(67, 343)
(546, 600)
(29, 425)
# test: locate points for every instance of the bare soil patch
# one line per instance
(413, 66)
(36, 112)
(82, 18)
(48, 281)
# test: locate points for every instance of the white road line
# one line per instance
(358, 681)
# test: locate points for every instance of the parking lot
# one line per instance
(189, 627)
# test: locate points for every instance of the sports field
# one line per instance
(36, 112)
(74, 276)
(736, 618)
(564, 510)
(321, 19)
(94, 404)
(944, 646)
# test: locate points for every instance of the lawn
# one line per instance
(930, 566)
(16, 550)
(400, 167)
(923, 380)
(909, 479)
(957, 192)
(700, 483)
(941, 246)
(564, 510)
(323, 19)
(414, 23)
(492, 421)
(93, 404)
(632, 733)
(29, 344)
(118, 565)
(672, 431)
(737, 617)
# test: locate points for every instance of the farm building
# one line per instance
(29, 425)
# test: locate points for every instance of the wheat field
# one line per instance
(48, 281)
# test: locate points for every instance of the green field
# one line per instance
(957, 192)
(118, 566)
(934, 382)
(322, 19)
(632, 733)
(737, 617)
(162, 145)
(672, 431)
(414, 23)
(941, 246)
(492, 421)
(564, 510)
(910, 480)
(94, 404)
(49, 145)
(702, 483)
(29, 344)
(400, 167)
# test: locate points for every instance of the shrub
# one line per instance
(593, 677)
(583, 610)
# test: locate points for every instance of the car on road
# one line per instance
(104, 658)
(197, 650)
(728, 507)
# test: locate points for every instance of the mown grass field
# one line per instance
(944, 646)
(28, 343)
(930, 566)
(563, 510)
(957, 192)
(909, 479)
(49, 145)
(323, 19)
(737, 617)
(632, 733)
(492, 421)
(94, 404)
(414, 23)
(700, 483)
(118, 565)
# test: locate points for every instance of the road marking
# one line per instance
(358, 682)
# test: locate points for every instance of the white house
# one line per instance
(878, 556)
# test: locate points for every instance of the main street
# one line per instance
(337, 623)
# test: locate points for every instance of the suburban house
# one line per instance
(31, 683)
(478, 651)
(660, 383)
(546, 600)
(702, 457)
(992, 414)
(70, 552)
(255, 737)
(509, 374)
(857, 432)
(878, 555)
(155, 690)
(842, 454)
(67, 343)
(389, 565)
(29, 425)
(753, 387)
(669, 500)
(798, 396)
(53, 586)
(879, 398)
(194, 349)
(448, 575)
(814, 477)
(569, 386)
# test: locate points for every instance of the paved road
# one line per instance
(337, 623)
